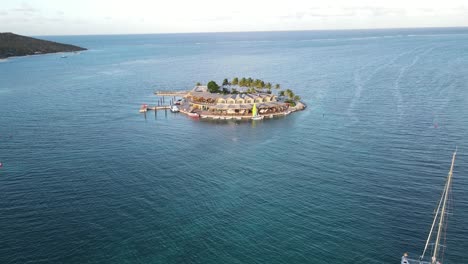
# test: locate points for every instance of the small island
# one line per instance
(240, 98)
(17, 45)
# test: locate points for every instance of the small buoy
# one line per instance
(1, 164)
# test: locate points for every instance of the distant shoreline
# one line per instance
(262, 31)
(13, 45)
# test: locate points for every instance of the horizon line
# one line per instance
(253, 31)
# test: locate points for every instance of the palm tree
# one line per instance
(268, 85)
(243, 82)
(249, 82)
(297, 98)
(277, 86)
(289, 93)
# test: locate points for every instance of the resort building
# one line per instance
(199, 99)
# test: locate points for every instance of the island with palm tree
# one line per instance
(240, 98)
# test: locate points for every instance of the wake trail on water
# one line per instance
(403, 70)
(360, 83)
(440, 98)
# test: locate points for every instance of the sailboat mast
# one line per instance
(433, 223)
(442, 214)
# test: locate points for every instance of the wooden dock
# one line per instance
(171, 93)
(154, 108)
(160, 107)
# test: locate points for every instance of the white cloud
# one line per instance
(36, 17)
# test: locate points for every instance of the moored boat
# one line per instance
(439, 225)
(193, 114)
(144, 108)
(174, 109)
(255, 115)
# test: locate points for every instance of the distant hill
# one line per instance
(17, 45)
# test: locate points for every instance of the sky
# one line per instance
(66, 17)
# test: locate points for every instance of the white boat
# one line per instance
(255, 115)
(144, 108)
(174, 109)
(439, 225)
(194, 115)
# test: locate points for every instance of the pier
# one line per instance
(161, 107)
(171, 93)
(146, 108)
(161, 103)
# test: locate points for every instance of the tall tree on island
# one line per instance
(289, 93)
(277, 86)
(198, 84)
(257, 83)
(249, 82)
(225, 82)
(235, 81)
(213, 87)
(243, 82)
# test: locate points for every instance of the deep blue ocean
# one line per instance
(352, 179)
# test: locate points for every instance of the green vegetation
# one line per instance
(17, 45)
(235, 81)
(250, 83)
(198, 84)
(250, 86)
(290, 102)
(292, 99)
(213, 87)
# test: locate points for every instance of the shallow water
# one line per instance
(354, 178)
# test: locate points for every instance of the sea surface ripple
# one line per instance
(354, 178)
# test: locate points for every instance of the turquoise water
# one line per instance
(353, 179)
